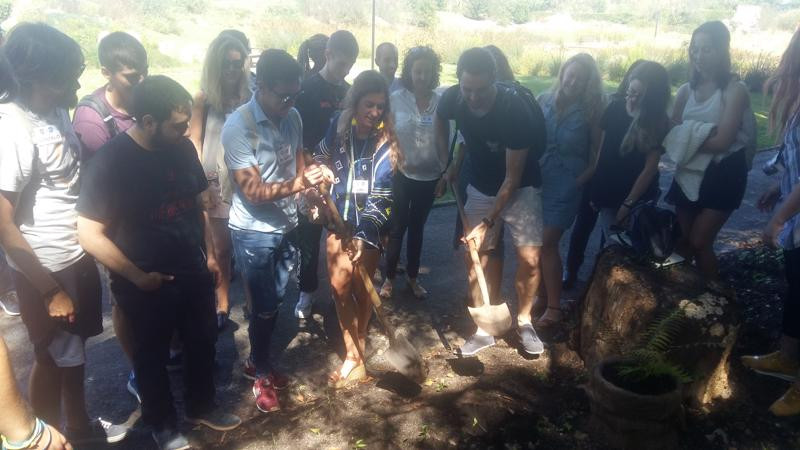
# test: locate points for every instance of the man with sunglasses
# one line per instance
(105, 113)
(322, 96)
(263, 151)
(57, 282)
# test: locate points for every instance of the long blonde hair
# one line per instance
(369, 82)
(211, 79)
(785, 87)
(593, 100)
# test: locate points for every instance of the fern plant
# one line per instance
(650, 360)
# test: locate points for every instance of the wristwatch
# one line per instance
(489, 222)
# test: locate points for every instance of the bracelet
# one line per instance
(29, 442)
(489, 222)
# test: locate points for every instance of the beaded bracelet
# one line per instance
(34, 437)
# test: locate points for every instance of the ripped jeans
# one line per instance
(266, 262)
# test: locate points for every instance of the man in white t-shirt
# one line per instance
(57, 283)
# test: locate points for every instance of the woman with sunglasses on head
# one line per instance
(634, 126)
(224, 86)
(361, 150)
(712, 96)
(416, 180)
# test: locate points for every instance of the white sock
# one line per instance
(480, 332)
(521, 321)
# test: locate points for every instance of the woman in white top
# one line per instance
(415, 183)
(712, 96)
(223, 87)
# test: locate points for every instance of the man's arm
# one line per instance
(59, 304)
(256, 191)
(211, 250)
(93, 238)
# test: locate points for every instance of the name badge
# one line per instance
(47, 135)
(360, 186)
(426, 120)
(285, 154)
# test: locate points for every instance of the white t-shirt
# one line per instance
(40, 158)
(417, 136)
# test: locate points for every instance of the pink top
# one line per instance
(92, 131)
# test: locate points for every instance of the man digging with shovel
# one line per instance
(504, 132)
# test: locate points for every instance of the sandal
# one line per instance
(546, 322)
(356, 374)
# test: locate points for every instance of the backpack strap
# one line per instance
(102, 110)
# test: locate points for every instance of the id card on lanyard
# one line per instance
(358, 175)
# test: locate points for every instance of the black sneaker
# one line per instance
(100, 431)
(9, 302)
(474, 344)
(530, 340)
(216, 420)
(170, 439)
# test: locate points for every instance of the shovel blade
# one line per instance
(493, 319)
(405, 358)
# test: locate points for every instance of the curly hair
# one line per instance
(369, 82)
(420, 53)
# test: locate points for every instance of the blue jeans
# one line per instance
(266, 262)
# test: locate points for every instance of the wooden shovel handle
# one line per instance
(473, 251)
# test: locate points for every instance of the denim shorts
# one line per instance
(266, 262)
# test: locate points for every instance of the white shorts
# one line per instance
(522, 215)
(67, 349)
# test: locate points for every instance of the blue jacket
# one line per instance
(362, 192)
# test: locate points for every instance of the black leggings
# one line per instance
(412, 203)
(791, 301)
(581, 231)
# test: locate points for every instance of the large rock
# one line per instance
(626, 296)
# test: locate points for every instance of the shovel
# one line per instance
(401, 354)
(493, 319)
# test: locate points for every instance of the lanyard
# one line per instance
(351, 172)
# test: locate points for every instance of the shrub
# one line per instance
(756, 70)
(476, 9)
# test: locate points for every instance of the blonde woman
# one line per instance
(360, 149)
(572, 111)
(223, 87)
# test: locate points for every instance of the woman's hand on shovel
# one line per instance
(355, 248)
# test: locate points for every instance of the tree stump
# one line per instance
(626, 295)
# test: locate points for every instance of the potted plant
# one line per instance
(635, 398)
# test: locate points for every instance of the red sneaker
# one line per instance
(278, 380)
(266, 397)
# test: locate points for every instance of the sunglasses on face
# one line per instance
(287, 98)
(234, 64)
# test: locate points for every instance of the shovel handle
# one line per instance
(473, 251)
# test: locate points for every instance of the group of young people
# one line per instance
(150, 194)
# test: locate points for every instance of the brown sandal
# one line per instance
(356, 374)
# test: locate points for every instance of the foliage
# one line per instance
(650, 360)
(476, 9)
(5, 9)
(755, 70)
(423, 13)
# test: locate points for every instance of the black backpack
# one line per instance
(651, 231)
(101, 109)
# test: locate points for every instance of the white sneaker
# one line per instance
(303, 308)
(386, 289)
(419, 291)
